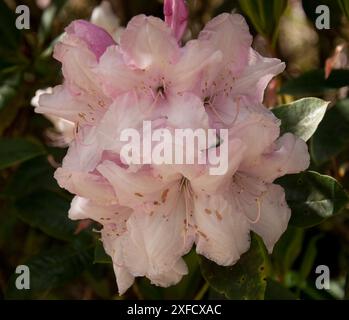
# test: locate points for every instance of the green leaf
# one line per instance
(51, 269)
(8, 89)
(265, 15)
(332, 136)
(312, 197)
(47, 211)
(100, 255)
(243, 281)
(276, 291)
(314, 82)
(287, 250)
(308, 260)
(31, 176)
(16, 150)
(301, 117)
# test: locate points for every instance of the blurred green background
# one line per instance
(66, 259)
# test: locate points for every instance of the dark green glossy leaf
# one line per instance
(31, 176)
(301, 117)
(314, 82)
(47, 211)
(243, 281)
(312, 197)
(332, 136)
(51, 269)
(16, 150)
(276, 291)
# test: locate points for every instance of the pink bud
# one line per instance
(176, 16)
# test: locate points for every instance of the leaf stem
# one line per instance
(202, 291)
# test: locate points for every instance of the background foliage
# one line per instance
(66, 259)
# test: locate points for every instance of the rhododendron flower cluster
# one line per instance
(152, 215)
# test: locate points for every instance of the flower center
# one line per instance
(185, 187)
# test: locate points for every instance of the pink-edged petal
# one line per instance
(222, 230)
(171, 277)
(133, 189)
(185, 111)
(263, 205)
(87, 185)
(148, 41)
(230, 34)
(96, 38)
(233, 154)
(126, 112)
(124, 279)
(113, 217)
(78, 174)
(198, 62)
(256, 76)
(176, 16)
(288, 155)
(156, 240)
(274, 216)
(258, 132)
(113, 247)
(78, 62)
(248, 192)
(180, 111)
(61, 103)
(114, 75)
(84, 152)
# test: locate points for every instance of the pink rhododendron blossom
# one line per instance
(152, 214)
